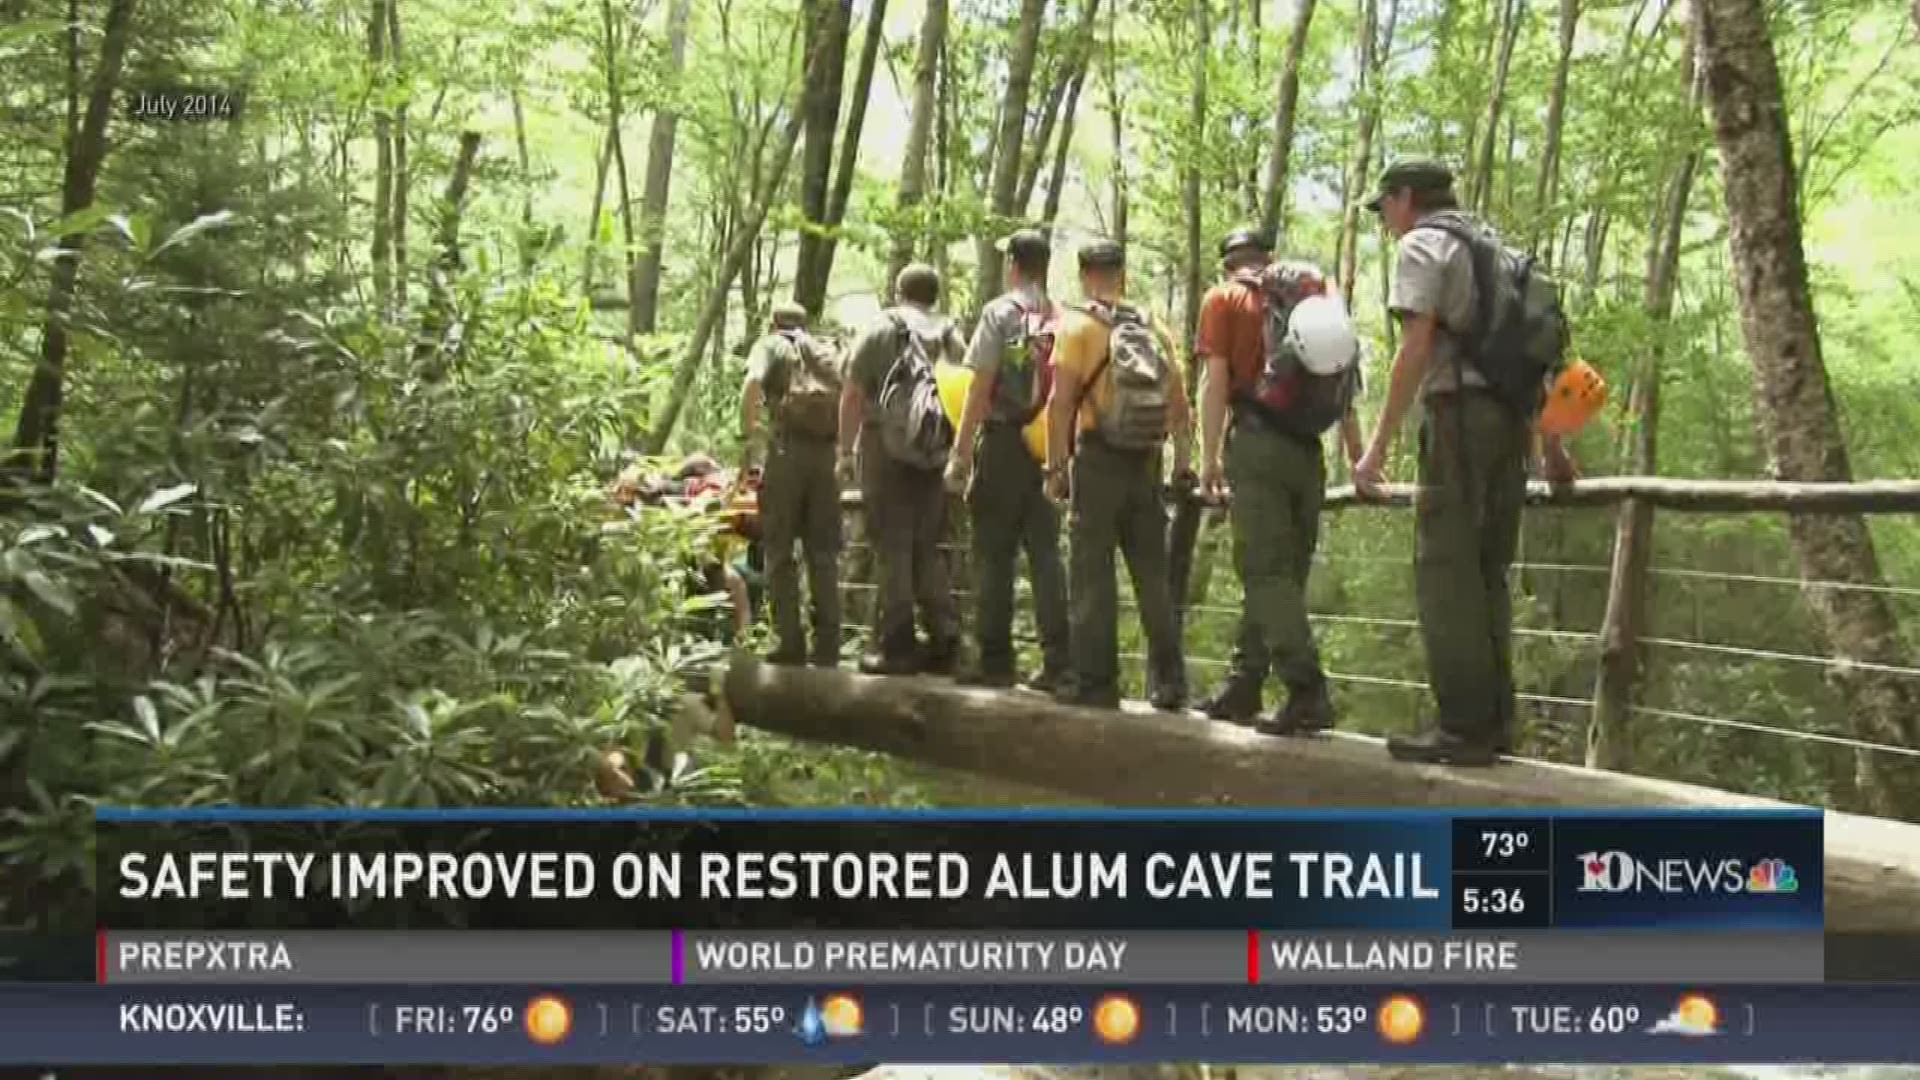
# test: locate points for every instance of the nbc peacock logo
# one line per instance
(1772, 876)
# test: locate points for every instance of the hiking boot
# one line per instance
(940, 658)
(1441, 747)
(1046, 681)
(1307, 712)
(1237, 701)
(881, 663)
(1170, 699)
(986, 678)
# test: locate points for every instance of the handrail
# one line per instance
(1698, 496)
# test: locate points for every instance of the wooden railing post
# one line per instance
(1609, 736)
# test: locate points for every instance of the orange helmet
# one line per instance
(1575, 398)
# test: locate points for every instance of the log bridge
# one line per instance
(1135, 757)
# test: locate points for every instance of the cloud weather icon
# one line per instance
(1695, 1015)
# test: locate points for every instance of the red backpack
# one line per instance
(1041, 328)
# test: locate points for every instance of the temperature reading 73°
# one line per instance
(1504, 843)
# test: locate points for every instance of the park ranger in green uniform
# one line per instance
(1118, 403)
(1473, 475)
(1011, 358)
(797, 380)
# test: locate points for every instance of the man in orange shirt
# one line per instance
(1278, 480)
(1119, 397)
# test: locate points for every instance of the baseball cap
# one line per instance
(1102, 254)
(1417, 173)
(1243, 239)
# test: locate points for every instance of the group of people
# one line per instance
(1281, 367)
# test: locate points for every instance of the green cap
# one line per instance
(1418, 173)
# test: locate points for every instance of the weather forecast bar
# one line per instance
(560, 1024)
(705, 958)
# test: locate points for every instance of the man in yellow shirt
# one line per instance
(1119, 397)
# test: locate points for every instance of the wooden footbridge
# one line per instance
(1139, 758)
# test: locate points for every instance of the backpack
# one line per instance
(1138, 371)
(1040, 327)
(914, 428)
(1288, 397)
(810, 403)
(1520, 333)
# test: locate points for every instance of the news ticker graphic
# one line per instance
(965, 870)
(936, 958)
(1676, 1024)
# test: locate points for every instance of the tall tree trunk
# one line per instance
(913, 171)
(842, 192)
(382, 256)
(1375, 44)
(615, 41)
(1610, 735)
(1512, 13)
(1197, 132)
(739, 249)
(36, 437)
(1546, 188)
(1057, 185)
(589, 260)
(402, 176)
(1057, 115)
(528, 251)
(446, 266)
(1116, 113)
(658, 183)
(1006, 162)
(831, 22)
(939, 245)
(1795, 402)
(1286, 103)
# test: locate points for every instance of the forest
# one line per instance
(317, 384)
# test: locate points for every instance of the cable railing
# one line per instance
(1204, 643)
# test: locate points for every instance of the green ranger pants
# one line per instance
(1118, 504)
(800, 500)
(906, 521)
(1011, 513)
(1279, 482)
(1473, 478)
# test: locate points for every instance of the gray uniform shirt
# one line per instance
(1434, 276)
(1000, 348)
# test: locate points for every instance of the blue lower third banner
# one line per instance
(686, 871)
(573, 1025)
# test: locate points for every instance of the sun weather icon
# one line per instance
(1772, 876)
(1695, 1015)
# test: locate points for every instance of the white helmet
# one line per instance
(1321, 335)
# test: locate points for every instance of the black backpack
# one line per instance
(914, 429)
(1519, 339)
(1287, 396)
